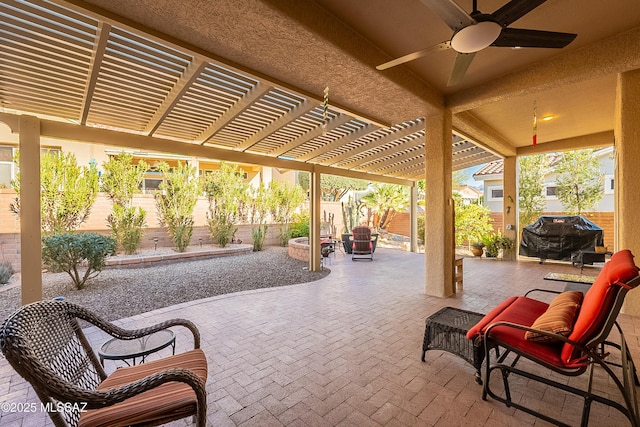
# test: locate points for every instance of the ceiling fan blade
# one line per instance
(514, 10)
(415, 55)
(463, 60)
(515, 37)
(449, 11)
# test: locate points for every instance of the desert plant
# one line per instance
(259, 234)
(126, 224)
(227, 192)
(285, 199)
(121, 180)
(6, 271)
(386, 200)
(68, 252)
(351, 212)
(176, 200)
(67, 193)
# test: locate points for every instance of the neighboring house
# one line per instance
(469, 194)
(491, 175)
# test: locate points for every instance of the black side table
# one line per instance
(447, 330)
(117, 349)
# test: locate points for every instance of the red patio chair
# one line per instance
(362, 244)
(551, 336)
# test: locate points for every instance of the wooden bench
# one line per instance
(457, 272)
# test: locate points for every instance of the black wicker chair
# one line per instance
(45, 344)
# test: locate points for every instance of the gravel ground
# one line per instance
(123, 292)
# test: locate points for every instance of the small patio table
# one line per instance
(447, 330)
(117, 349)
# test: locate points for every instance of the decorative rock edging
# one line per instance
(299, 248)
(151, 258)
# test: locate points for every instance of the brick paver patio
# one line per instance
(345, 351)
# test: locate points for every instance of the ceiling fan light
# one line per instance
(475, 37)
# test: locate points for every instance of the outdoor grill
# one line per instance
(558, 237)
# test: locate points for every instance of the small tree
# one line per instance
(285, 199)
(176, 201)
(531, 203)
(225, 189)
(121, 180)
(69, 251)
(67, 192)
(386, 201)
(579, 181)
(333, 187)
(472, 222)
(260, 206)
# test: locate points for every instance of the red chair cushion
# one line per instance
(558, 319)
(598, 301)
(522, 311)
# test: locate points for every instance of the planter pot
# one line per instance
(476, 251)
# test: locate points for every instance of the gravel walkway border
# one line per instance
(123, 292)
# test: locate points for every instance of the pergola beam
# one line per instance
(338, 142)
(97, 55)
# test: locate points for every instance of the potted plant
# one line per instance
(496, 242)
(477, 248)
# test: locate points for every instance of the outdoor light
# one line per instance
(476, 37)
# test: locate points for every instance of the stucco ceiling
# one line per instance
(301, 47)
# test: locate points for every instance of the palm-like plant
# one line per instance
(385, 201)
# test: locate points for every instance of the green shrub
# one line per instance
(222, 230)
(69, 251)
(299, 226)
(6, 271)
(494, 242)
(259, 234)
(126, 227)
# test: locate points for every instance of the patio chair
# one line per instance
(555, 338)
(362, 245)
(45, 344)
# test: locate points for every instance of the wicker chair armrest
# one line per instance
(129, 334)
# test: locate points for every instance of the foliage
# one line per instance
(6, 271)
(126, 224)
(67, 252)
(176, 200)
(496, 241)
(300, 225)
(259, 234)
(459, 178)
(421, 231)
(226, 191)
(333, 187)
(531, 203)
(121, 180)
(67, 192)
(472, 222)
(386, 200)
(286, 198)
(579, 181)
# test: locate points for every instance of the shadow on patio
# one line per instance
(345, 350)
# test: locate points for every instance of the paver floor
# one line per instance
(345, 350)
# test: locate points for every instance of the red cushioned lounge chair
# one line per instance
(547, 335)
(45, 344)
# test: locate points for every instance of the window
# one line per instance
(608, 184)
(6, 166)
(495, 193)
(550, 191)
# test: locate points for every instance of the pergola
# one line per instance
(244, 81)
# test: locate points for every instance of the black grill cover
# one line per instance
(556, 237)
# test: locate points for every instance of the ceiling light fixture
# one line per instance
(548, 118)
(475, 37)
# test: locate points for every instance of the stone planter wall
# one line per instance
(299, 248)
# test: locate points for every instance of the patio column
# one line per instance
(627, 159)
(30, 236)
(438, 239)
(509, 205)
(413, 218)
(314, 226)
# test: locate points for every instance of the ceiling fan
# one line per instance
(475, 31)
